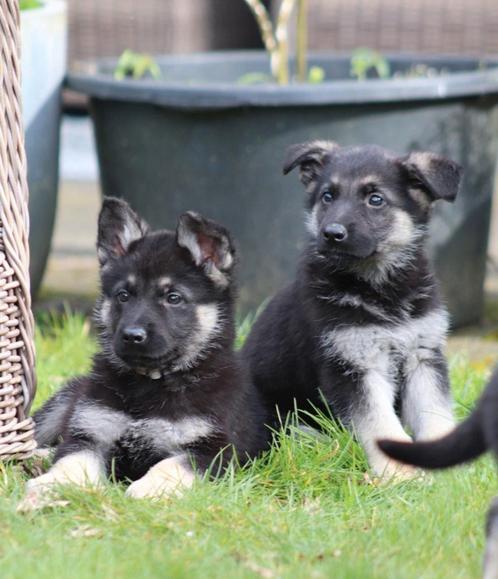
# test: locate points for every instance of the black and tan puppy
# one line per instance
(362, 326)
(167, 394)
(474, 436)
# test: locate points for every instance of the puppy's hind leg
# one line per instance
(52, 416)
(490, 570)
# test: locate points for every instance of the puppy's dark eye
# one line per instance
(174, 298)
(376, 200)
(327, 196)
(122, 296)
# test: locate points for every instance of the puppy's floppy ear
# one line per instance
(118, 227)
(209, 244)
(437, 177)
(310, 157)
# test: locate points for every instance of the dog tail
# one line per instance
(462, 444)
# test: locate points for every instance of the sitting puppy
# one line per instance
(362, 326)
(470, 439)
(167, 392)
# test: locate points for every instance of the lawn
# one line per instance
(307, 509)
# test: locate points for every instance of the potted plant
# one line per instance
(43, 63)
(211, 131)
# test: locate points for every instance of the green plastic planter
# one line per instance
(198, 139)
(43, 60)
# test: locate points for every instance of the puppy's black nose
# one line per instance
(134, 335)
(335, 232)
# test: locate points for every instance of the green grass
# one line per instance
(30, 4)
(304, 510)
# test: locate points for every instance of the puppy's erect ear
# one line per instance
(436, 177)
(118, 227)
(209, 244)
(310, 157)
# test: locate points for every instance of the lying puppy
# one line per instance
(474, 436)
(362, 326)
(166, 392)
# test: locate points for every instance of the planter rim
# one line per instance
(48, 7)
(223, 95)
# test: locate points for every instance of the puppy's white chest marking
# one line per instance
(374, 347)
(101, 424)
(106, 426)
(167, 435)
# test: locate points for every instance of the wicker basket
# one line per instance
(17, 380)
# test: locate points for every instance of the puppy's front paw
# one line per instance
(153, 487)
(39, 496)
(398, 472)
(167, 478)
(41, 492)
(142, 489)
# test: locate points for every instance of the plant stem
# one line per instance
(281, 36)
(302, 40)
(266, 31)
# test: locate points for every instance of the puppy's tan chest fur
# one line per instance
(376, 347)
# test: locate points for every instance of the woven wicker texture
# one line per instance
(17, 380)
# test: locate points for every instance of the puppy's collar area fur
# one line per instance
(154, 374)
(178, 367)
(158, 374)
(189, 375)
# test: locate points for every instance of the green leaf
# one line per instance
(316, 75)
(364, 59)
(136, 65)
